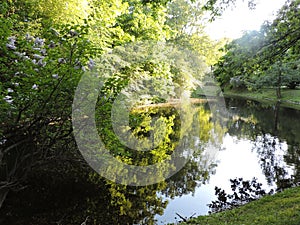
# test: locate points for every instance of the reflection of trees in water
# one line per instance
(244, 191)
(292, 158)
(271, 152)
(69, 200)
(196, 171)
(269, 128)
(187, 179)
(69, 193)
(273, 132)
(202, 163)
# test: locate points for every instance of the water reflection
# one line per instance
(261, 141)
(73, 198)
(274, 132)
(254, 141)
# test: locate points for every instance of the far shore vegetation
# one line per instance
(289, 97)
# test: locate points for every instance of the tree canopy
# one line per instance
(265, 58)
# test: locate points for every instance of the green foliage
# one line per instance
(265, 58)
(144, 21)
(105, 30)
(288, 71)
(187, 20)
(39, 74)
(55, 63)
(61, 11)
(238, 63)
(217, 7)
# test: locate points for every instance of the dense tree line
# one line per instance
(265, 58)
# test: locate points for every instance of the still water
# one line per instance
(251, 140)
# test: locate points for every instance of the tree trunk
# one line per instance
(278, 90)
(278, 93)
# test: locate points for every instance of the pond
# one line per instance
(250, 140)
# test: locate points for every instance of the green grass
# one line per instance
(280, 209)
(290, 98)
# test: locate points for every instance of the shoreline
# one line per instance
(290, 98)
(277, 209)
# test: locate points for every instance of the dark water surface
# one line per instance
(251, 140)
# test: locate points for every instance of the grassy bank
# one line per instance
(279, 209)
(290, 98)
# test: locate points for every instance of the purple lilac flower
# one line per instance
(8, 99)
(35, 87)
(9, 90)
(91, 64)
(38, 41)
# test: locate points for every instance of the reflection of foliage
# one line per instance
(140, 126)
(205, 125)
(212, 126)
(201, 165)
(269, 149)
(292, 158)
(269, 134)
(109, 203)
(243, 192)
(128, 204)
(196, 172)
(67, 199)
(188, 178)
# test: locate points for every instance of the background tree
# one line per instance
(252, 61)
(187, 21)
